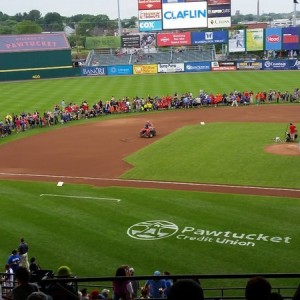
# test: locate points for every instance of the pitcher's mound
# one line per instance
(284, 149)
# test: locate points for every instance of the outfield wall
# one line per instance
(188, 67)
(118, 70)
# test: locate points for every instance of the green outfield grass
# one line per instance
(42, 95)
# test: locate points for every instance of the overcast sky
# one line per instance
(128, 8)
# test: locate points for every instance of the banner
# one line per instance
(249, 65)
(219, 22)
(98, 42)
(173, 39)
(197, 66)
(148, 40)
(130, 41)
(276, 65)
(209, 37)
(120, 70)
(149, 4)
(255, 39)
(236, 40)
(150, 25)
(170, 68)
(219, 11)
(273, 40)
(147, 15)
(93, 71)
(145, 69)
(223, 66)
(184, 15)
(290, 38)
(294, 64)
(33, 42)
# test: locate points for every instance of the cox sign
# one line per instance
(150, 25)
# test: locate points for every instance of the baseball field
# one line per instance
(212, 193)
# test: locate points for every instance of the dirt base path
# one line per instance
(93, 153)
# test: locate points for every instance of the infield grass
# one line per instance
(224, 153)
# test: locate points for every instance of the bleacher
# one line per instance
(171, 55)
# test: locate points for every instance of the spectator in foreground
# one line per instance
(185, 289)
(297, 294)
(24, 288)
(155, 286)
(258, 288)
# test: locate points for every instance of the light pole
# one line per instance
(119, 19)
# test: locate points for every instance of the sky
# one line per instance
(128, 8)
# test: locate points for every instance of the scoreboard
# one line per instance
(158, 15)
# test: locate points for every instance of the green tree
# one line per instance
(53, 22)
(6, 27)
(34, 15)
(27, 26)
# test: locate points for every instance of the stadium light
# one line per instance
(119, 19)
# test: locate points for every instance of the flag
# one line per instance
(296, 1)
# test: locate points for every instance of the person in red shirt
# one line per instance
(293, 131)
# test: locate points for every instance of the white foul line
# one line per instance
(153, 181)
(79, 197)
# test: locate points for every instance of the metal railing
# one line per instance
(215, 286)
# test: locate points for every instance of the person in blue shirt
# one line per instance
(14, 260)
(156, 287)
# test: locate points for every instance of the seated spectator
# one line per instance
(276, 296)
(33, 265)
(24, 288)
(258, 288)
(186, 289)
(38, 296)
(63, 290)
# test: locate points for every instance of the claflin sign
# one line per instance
(159, 229)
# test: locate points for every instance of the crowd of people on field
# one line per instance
(22, 279)
(64, 112)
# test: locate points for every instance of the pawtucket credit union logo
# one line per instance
(158, 229)
(152, 230)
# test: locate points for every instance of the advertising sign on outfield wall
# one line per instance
(223, 66)
(276, 65)
(170, 68)
(197, 66)
(294, 64)
(249, 65)
(273, 39)
(145, 69)
(93, 71)
(219, 22)
(120, 70)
